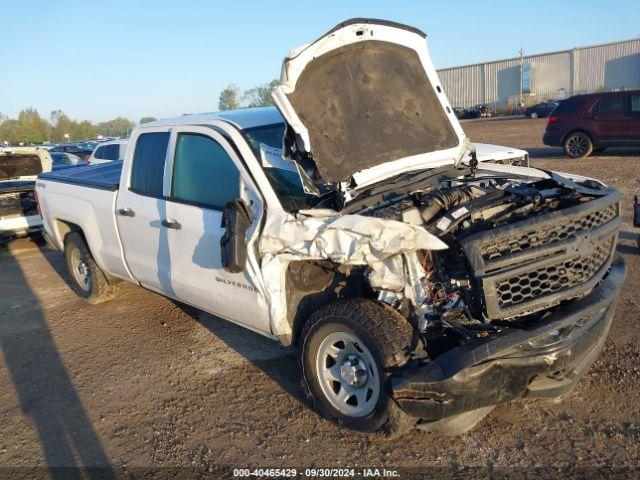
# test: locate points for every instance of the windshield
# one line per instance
(286, 183)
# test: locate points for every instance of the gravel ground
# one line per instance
(138, 383)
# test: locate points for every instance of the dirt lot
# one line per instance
(138, 383)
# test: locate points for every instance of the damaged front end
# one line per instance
(520, 303)
(544, 360)
(508, 275)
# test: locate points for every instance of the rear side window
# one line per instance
(570, 105)
(112, 152)
(148, 163)
(610, 104)
(99, 153)
(108, 152)
(203, 172)
(635, 103)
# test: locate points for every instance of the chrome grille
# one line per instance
(539, 262)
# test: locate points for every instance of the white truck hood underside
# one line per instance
(365, 97)
(22, 164)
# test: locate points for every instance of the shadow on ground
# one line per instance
(46, 394)
(279, 363)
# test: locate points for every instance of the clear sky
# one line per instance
(96, 60)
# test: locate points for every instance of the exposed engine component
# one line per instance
(514, 244)
(439, 200)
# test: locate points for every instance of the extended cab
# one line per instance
(355, 222)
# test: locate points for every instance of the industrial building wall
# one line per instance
(608, 67)
(553, 75)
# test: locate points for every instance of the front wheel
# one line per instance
(348, 350)
(534, 115)
(578, 145)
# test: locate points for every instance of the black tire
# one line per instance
(384, 333)
(577, 145)
(96, 289)
(534, 115)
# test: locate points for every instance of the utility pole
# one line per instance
(520, 104)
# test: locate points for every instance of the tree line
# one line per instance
(231, 98)
(30, 127)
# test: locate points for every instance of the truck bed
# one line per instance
(104, 176)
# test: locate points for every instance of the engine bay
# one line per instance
(478, 202)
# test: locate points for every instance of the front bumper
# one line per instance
(544, 361)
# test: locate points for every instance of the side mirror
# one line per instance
(236, 219)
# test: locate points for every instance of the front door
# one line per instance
(206, 175)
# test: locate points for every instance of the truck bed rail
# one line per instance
(104, 176)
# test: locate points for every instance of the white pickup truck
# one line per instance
(421, 287)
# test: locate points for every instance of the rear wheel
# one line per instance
(348, 349)
(578, 145)
(534, 115)
(87, 280)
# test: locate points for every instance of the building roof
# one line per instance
(533, 55)
(242, 119)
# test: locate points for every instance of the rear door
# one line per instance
(141, 205)
(610, 117)
(206, 174)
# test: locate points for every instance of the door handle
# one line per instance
(171, 224)
(126, 212)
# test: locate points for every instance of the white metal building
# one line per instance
(610, 66)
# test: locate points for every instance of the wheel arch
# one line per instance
(311, 284)
(64, 227)
(589, 134)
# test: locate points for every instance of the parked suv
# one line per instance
(590, 123)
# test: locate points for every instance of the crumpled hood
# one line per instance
(366, 98)
(23, 163)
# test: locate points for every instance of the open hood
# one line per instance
(23, 163)
(364, 101)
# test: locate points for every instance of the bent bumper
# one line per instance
(544, 361)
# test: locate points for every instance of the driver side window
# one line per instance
(203, 173)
